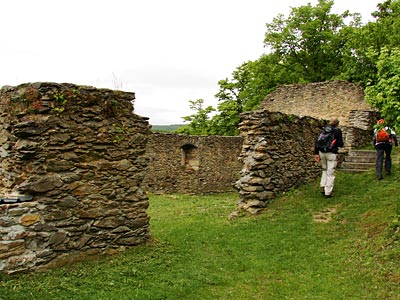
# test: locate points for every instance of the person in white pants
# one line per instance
(328, 163)
(328, 157)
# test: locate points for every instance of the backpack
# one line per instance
(382, 136)
(326, 140)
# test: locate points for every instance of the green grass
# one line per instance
(197, 252)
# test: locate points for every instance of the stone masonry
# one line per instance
(277, 155)
(192, 164)
(320, 100)
(278, 139)
(87, 161)
(80, 153)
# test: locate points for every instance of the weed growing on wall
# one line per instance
(59, 103)
(119, 134)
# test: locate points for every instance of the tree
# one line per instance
(310, 41)
(250, 84)
(358, 61)
(366, 42)
(311, 45)
(388, 24)
(199, 121)
(231, 102)
(385, 94)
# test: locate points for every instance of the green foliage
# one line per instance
(249, 85)
(366, 42)
(358, 65)
(119, 134)
(267, 73)
(58, 106)
(199, 121)
(226, 122)
(385, 94)
(310, 41)
(306, 47)
(165, 128)
(387, 24)
(312, 44)
(59, 98)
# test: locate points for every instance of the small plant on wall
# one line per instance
(59, 102)
(120, 133)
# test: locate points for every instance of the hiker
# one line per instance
(384, 137)
(326, 151)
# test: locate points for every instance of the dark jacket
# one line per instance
(339, 141)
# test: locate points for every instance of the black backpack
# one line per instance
(326, 140)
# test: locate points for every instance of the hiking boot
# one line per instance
(329, 195)
(379, 177)
(387, 172)
(322, 190)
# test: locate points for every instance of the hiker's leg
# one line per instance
(388, 158)
(323, 165)
(331, 163)
(379, 161)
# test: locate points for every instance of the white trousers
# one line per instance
(329, 163)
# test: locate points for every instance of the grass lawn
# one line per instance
(302, 247)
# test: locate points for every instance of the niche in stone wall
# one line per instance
(190, 160)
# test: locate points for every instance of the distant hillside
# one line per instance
(166, 128)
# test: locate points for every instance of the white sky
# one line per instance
(166, 51)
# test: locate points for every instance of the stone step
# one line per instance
(358, 161)
(363, 153)
(353, 171)
(358, 165)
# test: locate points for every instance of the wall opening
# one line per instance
(190, 157)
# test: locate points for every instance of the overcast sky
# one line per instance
(166, 51)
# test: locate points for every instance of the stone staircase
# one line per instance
(358, 161)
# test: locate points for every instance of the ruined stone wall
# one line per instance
(325, 100)
(321, 100)
(192, 164)
(277, 155)
(360, 131)
(79, 152)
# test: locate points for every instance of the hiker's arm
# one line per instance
(339, 138)
(394, 137)
(316, 152)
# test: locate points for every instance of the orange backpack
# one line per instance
(382, 136)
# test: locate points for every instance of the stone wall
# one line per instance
(321, 100)
(80, 153)
(192, 164)
(325, 100)
(277, 155)
(277, 150)
(360, 131)
(86, 160)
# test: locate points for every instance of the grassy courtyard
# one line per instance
(302, 247)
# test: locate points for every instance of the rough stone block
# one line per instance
(11, 248)
(30, 219)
